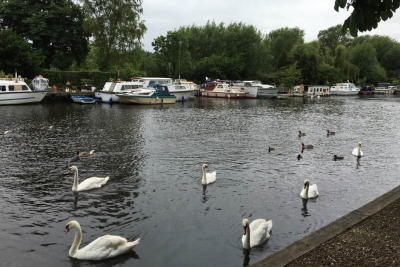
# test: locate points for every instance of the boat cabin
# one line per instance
(13, 86)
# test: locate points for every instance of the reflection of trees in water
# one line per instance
(246, 260)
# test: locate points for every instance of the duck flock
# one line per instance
(255, 233)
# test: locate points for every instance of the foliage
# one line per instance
(334, 36)
(366, 13)
(16, 54)
(364, 57)
(116, 28)
(54, 27)
(291, 76)
(281, 42)
(235, 51)
(347, 70)
(78, 78)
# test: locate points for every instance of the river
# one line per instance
(154, 154)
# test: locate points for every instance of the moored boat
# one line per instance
(221, 90)
(345, 89)
(18, 92)
(181, 91)
(83, 99)
(318, 90)
(384, 88)
(158, 94)
(366, 90)
(108, 93)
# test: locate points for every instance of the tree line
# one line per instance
(105, 35)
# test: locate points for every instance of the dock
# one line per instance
(60, 96)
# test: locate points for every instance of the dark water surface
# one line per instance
(153, 156)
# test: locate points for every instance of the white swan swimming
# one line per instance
(208, 178)
(309, 191)
(357, 151)
(256, 233)
(89, 183)
(104, 247)
(83, 153)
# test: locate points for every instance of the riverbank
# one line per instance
(368, 236)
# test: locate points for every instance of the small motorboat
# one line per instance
(83, 99)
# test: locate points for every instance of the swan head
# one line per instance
(245, 225)
(205, 167)
(359, 144)
(306, 183)
(71, 225)
(72, 169)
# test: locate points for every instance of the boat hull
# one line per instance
(13, 98)
(143, 100)
(267, 92)
(83, 100)
(182, 95)
(106, 97)
(237, 95)
(383, 91)
(345, 93)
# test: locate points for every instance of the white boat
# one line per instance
(256, 89)
(18, 92)
(222, 90)
(318, 90)
(159, 94)
(108, 93)
(384, 88)
(181, 91)
(344, 89)
(147, 81)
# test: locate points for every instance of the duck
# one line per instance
(309, 191)
(335, 157)
(89, 183)
(303, 146)
(3, 132)
(301, 134)
(208, 178)
(104, 247)
(257, 233)
(271, 149)
(357, 151)
(83, 153)
(329, 132)
(299, 156)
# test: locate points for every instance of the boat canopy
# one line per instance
(161, 89)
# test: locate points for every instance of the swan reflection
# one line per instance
(204, 198)
(304, 210)
(358, 162)
(76, 198)
(246, 260)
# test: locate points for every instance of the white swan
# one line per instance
(89, 183)
(104, 247)
(83, 153)
(357, 151)
(208, 178)
(3, 132)
(309, 191)
(257, 233)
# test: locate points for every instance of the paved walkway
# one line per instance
(293, 251)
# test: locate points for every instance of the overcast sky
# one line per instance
(311, 16)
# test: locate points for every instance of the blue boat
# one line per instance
(83, 99)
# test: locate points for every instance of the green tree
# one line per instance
(366, 13)
(281, 42)
(334, 36)
(16, 54)
(54, 27)
(347, 70)
(116, 28)
(364, 57)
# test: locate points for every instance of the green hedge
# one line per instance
(78, 78)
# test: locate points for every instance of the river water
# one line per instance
(153, 155)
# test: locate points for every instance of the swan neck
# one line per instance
(204, 179)
(307, 187)
(246, 244)
(76, 181)
(359, 150)
(77, 241)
